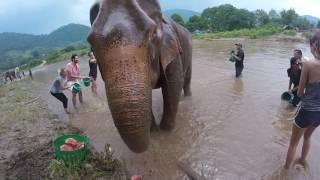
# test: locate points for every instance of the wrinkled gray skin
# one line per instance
(138, 49)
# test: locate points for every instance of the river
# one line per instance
(229, 129)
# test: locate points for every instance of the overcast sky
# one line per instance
(43, 16)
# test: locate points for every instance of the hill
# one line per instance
(312, 19)
(184, 13)
(16, 48)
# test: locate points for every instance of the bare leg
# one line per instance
(94, 87)
(294, 141)
(306, 145)
(74, 100)
(80, 97)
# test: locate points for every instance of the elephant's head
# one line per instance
(120, 37)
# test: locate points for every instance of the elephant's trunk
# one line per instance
(128, 86)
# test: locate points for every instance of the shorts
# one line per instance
(93, 77)
(304, 119)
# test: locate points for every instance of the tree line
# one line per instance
(228, 18)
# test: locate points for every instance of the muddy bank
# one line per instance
(27, 129)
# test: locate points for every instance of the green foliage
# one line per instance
(251, 33)
(273, 14)
(290, 32)
(17, 49)
(185, 14)
(96, 166)
(178, 19)
(289, 17)
(262, 17)
(68, 49)
(196, 23)
(227, 17)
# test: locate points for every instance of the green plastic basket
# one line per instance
(232, 59)
(70, 158)
(76, 87)
(86, 81)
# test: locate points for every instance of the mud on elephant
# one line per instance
(138, 49)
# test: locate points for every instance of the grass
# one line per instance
(13, 107)
(253, 33)
(61, 55)
(95, 166)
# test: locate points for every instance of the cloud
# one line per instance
(42, 16)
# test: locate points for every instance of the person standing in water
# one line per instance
(294, 73)
(58, 87)
(93, 71)
(73, 75)
(307, 118)
(239, 59)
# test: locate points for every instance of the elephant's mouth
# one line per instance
(127, 79)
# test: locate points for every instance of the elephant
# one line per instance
(139, 49)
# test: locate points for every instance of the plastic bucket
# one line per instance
(232, 59)
(286, 96)
(86, 81)
(70, 158)
(76, 88)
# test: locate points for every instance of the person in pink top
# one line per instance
(73, 75)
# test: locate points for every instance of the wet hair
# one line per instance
(315, 42)
(73, 57)
(293, 61)
(61, 71)
(298, 51)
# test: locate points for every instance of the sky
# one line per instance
(44, 16)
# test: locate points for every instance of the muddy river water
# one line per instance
(229, 129)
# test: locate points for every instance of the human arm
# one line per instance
(62, 87)
(290, 84)
(239, 56)
(93, 60)
(304, 80)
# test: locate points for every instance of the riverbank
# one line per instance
(27, 129)
(266, 33)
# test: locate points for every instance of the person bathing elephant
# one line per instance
(138, 49)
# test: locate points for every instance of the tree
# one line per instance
(226, 18)
(273, 14)
(318, 25)
(35, 54)
(303, 23)
(262, 17)
(289, 17)
(196, 23)
(178, 19)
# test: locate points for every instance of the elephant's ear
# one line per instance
(170, 47)
(94, 12)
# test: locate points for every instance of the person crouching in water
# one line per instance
(58, 87)
(93, 71)
(294, 73)
(307, 118)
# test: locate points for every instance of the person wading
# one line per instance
(307, 118)
(93, 71)
(239, 59)
(294, 73)
(73, 75)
